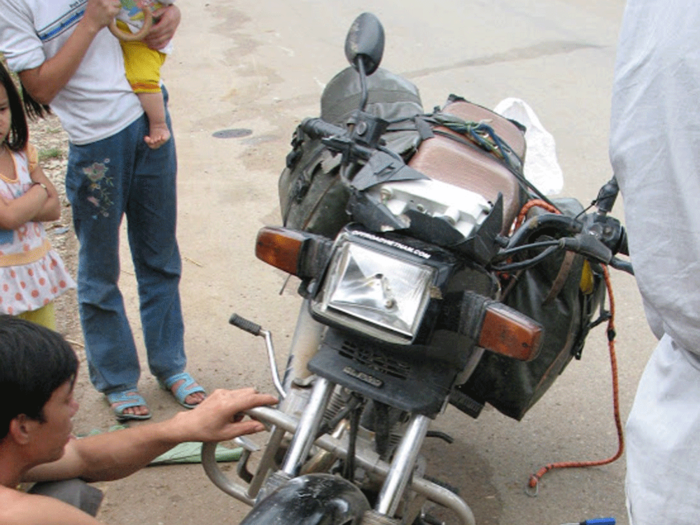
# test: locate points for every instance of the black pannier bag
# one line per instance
(312, 197)
(563, 293)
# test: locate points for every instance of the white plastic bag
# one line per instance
(541, 165)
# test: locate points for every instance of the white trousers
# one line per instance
(663, 440)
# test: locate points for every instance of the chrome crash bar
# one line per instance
(282, 423)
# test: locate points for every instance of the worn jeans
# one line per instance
(106, 180)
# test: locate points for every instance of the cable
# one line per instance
(504, 254)
(529, 262)
(551, 246)
(535, 478)
(531, 204)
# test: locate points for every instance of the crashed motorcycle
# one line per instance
(432, 273)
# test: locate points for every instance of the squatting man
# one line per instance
(38, 374)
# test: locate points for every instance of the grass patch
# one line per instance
(51, 153)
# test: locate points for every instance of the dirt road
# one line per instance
(260, 67)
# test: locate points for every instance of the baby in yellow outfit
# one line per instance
(142, 65)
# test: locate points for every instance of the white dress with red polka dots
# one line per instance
(32, 274)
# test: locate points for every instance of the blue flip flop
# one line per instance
(189, 386)
(120, 401)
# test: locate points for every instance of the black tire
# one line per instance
(314, 499)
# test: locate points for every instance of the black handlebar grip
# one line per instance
(623, 247)
(317, 128)
(588, 246)
(249, 326)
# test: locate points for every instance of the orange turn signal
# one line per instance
(280, 248)
(507, 332)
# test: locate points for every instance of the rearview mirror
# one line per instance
(364, 45)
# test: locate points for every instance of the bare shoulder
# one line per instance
(18, 508)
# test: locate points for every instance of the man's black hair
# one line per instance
(34, 362)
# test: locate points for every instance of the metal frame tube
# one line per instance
(273, 363)
(305, 344)
(402, 466)
(309, 424)
(266, 462)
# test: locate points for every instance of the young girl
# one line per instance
(32, 275)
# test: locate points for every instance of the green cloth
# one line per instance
(191, 452)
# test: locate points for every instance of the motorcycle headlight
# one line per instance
(375, 291)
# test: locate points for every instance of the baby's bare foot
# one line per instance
(157, 136)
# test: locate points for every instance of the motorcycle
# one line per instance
(432, 273)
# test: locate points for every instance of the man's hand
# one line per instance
(99, 13)
(220, 417)
(162, 31)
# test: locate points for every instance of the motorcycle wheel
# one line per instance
(313, 499)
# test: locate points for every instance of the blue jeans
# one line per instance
(106, 180)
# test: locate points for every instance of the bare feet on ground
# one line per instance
(137, 411)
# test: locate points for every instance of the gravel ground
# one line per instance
(52, 143)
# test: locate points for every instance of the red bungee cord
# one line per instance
(535, 478)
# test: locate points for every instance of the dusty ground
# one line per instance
(51, 141)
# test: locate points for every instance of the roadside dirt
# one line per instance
(51, 142)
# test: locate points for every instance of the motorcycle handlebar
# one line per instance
(588, 246)
(591, 247)
(623, 247)
(318, 128)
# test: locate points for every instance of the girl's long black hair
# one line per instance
(33, 109)
(19, 131)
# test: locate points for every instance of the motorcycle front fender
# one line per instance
(313, 499)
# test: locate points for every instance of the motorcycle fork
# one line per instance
(303, 439)
(295, 385)
(309, 425)
(401, 468)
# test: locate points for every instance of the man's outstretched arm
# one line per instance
(114, 455)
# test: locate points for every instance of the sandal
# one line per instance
(120, 401)
(189, 386)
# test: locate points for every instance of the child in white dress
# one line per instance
(32, 274)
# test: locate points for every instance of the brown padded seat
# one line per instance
(471, 168)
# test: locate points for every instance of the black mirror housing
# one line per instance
(365, 43)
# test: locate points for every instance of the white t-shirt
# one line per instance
(97, 102)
